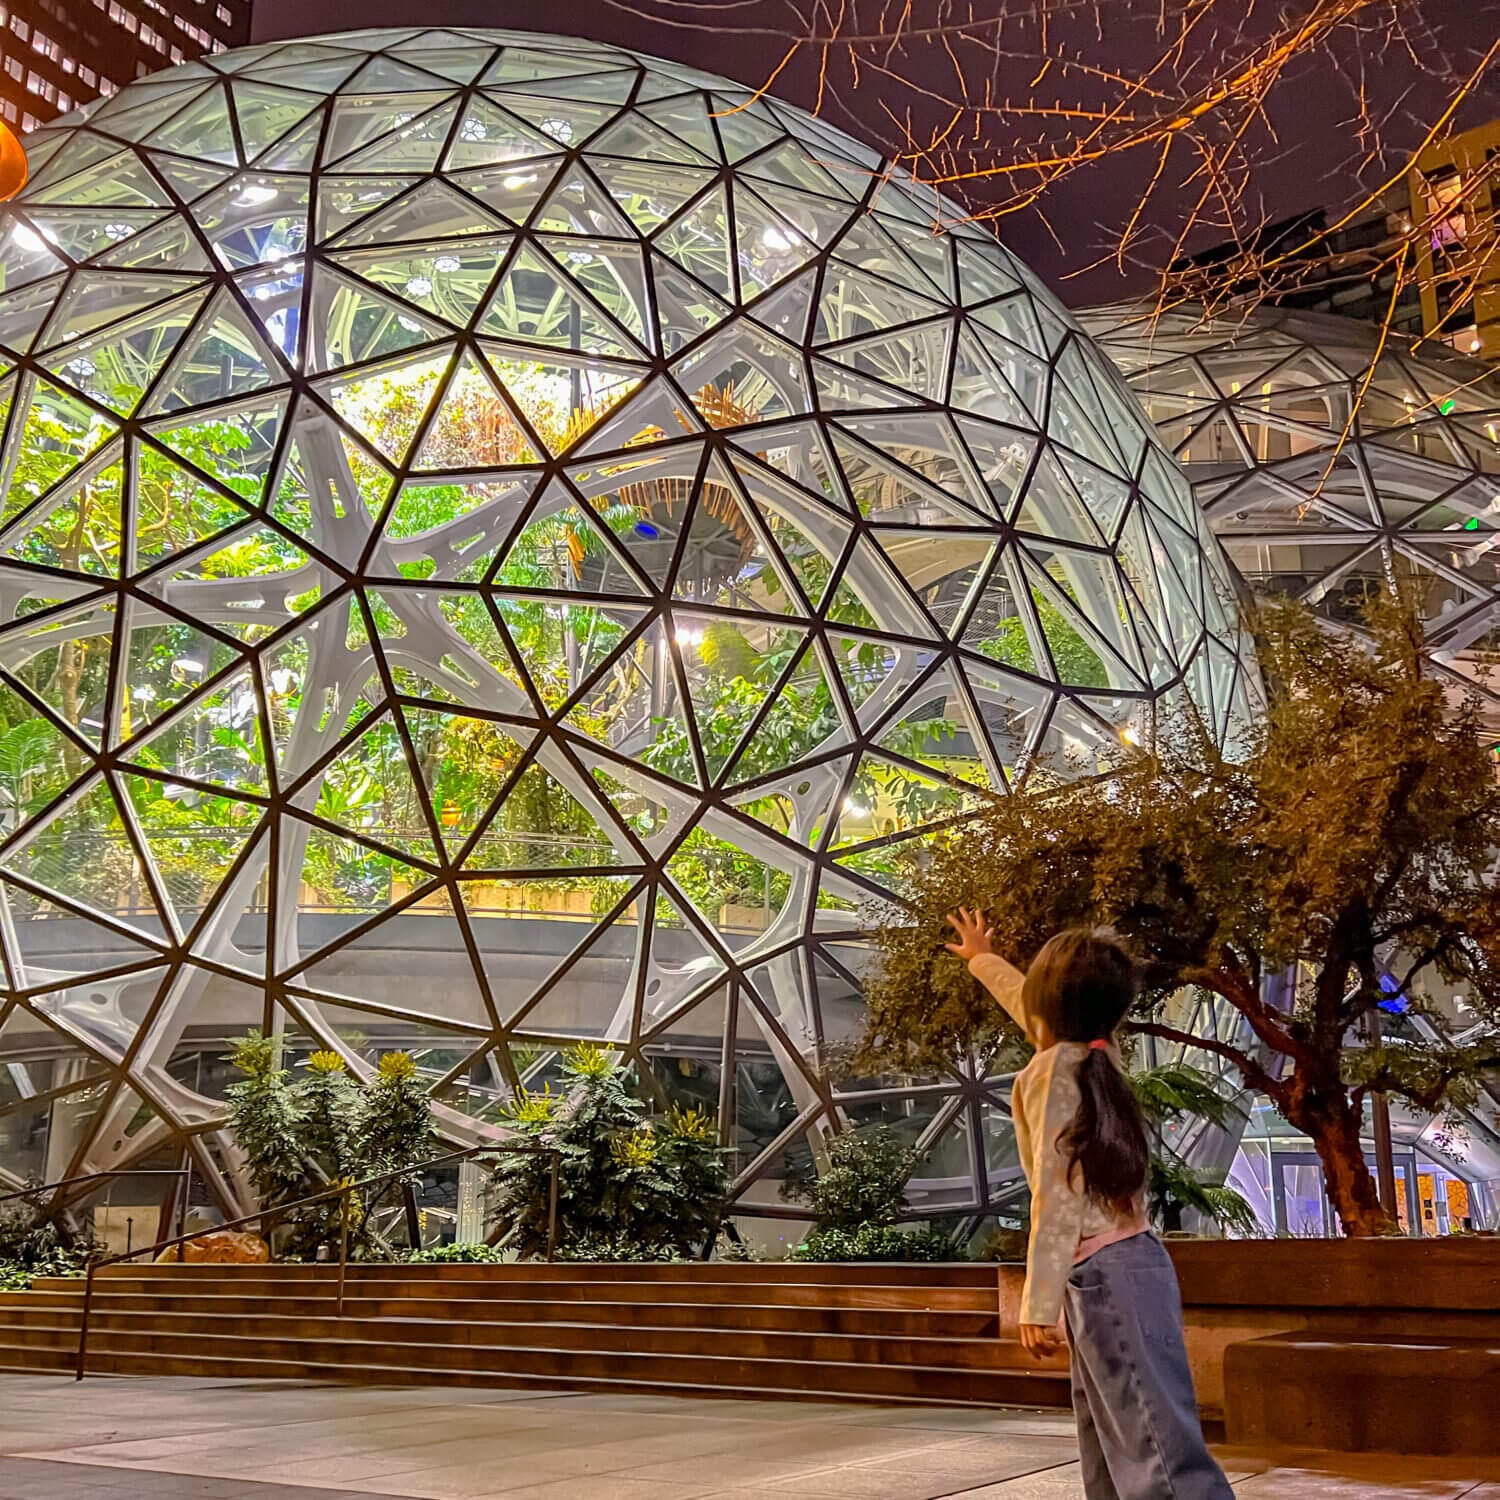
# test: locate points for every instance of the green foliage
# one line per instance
(1168, 1094)
(299, 1135)
(878, 1242)
(451, 1255)
(36, 1240)
(627, 1182)
(864, 1183)
(1349, 839)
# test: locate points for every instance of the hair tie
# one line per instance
(1099, 1044)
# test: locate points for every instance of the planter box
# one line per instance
(1347, 1344)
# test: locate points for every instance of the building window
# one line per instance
(29, 122)
(223, 14)
(20, 28)
(87, 77)
(8, 110)
(14, 68)
(67, 65)
(176, 54)
(64, 101)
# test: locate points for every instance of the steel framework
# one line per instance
(508, 541)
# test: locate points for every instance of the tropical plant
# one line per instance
(1348, 841)
(881, 1242)
(302, 1134)
(654, 1187)
(857, 1199)
(456, 1254)
(39, 1240)
(1168, 1094)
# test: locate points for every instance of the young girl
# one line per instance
(1092, 1254)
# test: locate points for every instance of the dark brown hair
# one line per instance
(1081, 984)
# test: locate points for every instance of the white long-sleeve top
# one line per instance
(1067, 1225)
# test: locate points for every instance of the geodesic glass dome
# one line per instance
(507, 541)
(1329, 464)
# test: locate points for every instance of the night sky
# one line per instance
(1304, 152)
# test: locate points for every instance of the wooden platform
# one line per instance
(871, 1333)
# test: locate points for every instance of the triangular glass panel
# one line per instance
(687, 119)
(62, 656)
(351, 324)
(569, 122)
(225, 358)
(83, 853)
(804, 719)
(562, 397)
(256, 220)
(78, 233)
(415, 147)
(740, 377)
(58, 432)
(685, 308)
(204, 129)
(488, 135)
(542, 825)
(579, 205)
(121, 181)
(190, 179)
(343, 201)
(78, 527)
(614, 275)
(119, 365)
(474, 427)
(770, 248)
(365, 402)
(513, 190)
(943, 571)
(818, 220)
(97, 299)
(322, 75)
(537, 303)
(171, 244)
(216, 742)
(914, 358)
(391, 74)
(565, 648)
(886, 797)
(25, 256)
(174, 509)
(234, 445)
(638, 139)
(166, 660)
(298, 151)
(193, 838)
(359, 119)
(650, 192)
(265, 113)
(458, 63)
(701, 241)
(465, 763)
(654, 810)
(741, 128)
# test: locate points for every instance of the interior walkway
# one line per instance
(184, 1439)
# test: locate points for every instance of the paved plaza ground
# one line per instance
(185, 1439)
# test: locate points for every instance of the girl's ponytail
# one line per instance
(1107, 1140)
(1082, 984)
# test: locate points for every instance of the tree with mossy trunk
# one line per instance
(1348, 840)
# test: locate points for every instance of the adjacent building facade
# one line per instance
(58, 54)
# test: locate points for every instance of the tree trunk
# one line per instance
(1333, 1124)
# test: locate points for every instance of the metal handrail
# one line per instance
(342, 1190)
(62, 1182)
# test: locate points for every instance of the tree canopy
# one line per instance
(1347, 840)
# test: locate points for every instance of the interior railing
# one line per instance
(344, 1192)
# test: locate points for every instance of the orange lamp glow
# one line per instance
(13, 168)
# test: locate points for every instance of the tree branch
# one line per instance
(1254, 1075)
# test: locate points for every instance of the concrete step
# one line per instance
(939, 1322)
(584, 1335)
(190, 1353)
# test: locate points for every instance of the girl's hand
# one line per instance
(1039, 1341)
(974, 937)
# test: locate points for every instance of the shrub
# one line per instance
(462, 1255)
(878, 1242)
(864, 1182)
(302, 1134)
(630, 1187)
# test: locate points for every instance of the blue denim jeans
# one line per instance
(1138, 1428)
